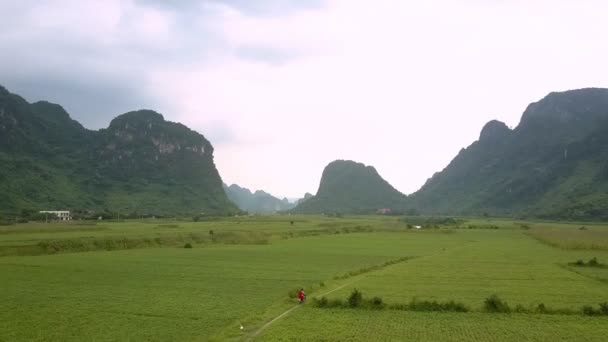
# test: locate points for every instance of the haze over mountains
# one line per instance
(259, 202)
(554, 164)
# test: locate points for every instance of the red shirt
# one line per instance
(301, 295)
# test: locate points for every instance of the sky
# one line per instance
(283, 87)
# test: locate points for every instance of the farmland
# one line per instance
(135, 280)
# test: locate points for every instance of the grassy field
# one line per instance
(309, 324)
(135, 281)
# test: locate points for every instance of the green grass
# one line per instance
(170, 293)
(584, 237)
(204, 293)
(508, 263)
(310, 324)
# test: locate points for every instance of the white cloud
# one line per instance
(401, 85)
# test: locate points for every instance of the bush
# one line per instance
(520, 309)
(604, 308)
(593, 262)
(327, 303)
(376, 303)
(541, 308)
(320, 303)
(589, 310)
(494, 304)
(425, 305)
(355, 299)
(188, 245)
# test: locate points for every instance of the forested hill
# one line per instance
(259, 202)
(554, 164)
(350, 187)
(140, 165)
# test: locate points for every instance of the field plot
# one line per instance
(241, 271)
(178, 293)
(310, 324)
(504, 262)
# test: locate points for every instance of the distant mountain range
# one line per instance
(259, 202)
(554, 164)
(350, 187)
(140, 165)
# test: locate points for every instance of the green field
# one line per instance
(115, 281)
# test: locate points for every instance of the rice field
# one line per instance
(136, 281)
(309, 324)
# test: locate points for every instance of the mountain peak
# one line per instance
(494, 130)
(139, 117)
(350, 187)
(568, 106)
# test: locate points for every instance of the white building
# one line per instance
(62, 215)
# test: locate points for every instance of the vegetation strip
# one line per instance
(492, 304)
(372, 268)
(204, 237)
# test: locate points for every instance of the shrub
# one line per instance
(589, 310)
(494, 304)
(520, 309)
(320, 303)
(541, 308)
(591, 263)
(355, 299)
(376, 303)
(425, 305)
(188, 245)
(327, 303)
(604, 308)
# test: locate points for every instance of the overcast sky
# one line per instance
(281, 88)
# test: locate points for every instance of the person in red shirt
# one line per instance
(302, 296)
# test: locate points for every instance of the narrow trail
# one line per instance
(259, 331)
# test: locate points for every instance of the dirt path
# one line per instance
(259, 331)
